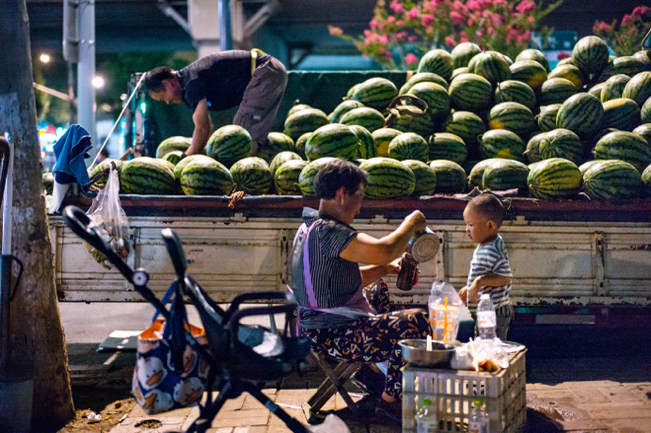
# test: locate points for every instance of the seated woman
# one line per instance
(344, 319)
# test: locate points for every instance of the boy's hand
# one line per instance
(473, 292)
(394, 266)
(463, 294)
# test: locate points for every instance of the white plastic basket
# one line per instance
(453, 392)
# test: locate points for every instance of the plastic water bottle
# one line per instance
(479, 419)
(426, 419)
(486, 319)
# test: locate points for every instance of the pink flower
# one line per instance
(375, 24)
(457, 17)
(485, 3)
(396, 7)
(471, 22)
(412, 38)
(499, 2)
(367, 32)
(490, 30)
(479, 34)
(640, 10)
(388, 55)
(426, 19)
(458, 6)
(336, 31)
(449, 41)
(383, 39)
(400, 23)
(525, 37)
(603, 26)
(463, 40)
(401, 35)
(462, 33)
(412, 14)
(632, 31)
(429, 30)
(627, 19)
(391, 19)
(382, 51)
(473, 5)
(526, 7)
(411, 59)
(563, 55)
(531, 20)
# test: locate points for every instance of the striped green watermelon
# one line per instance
(425, 177)
(581, 114)
(229, 144)
(173, 143)
(612, 180)
(300, 144)
(174, 156)
(252, 175)
(306, 120)
(561, 143)
(554, 178)
(501, 143)
(276, 142)
(335, 140)
(297, 107)
(515, 91)
(507, 58)
(638, 88)
(645, 111)
(444, 145)
(547, 117)
(505, 174)
(462, 53)
(367, 148)
(458, 72)
(511, 116)
(625, 146)
(476, 176)
(614, 87)
(409, 146)
(101, 182)
(435, 96)
(590, 55)
(450, 176)
(388, 178)
(586, 165)
(529, 72)
(470, 92)
(644, 57)
(423, 77)
(646, 178)
(415, 120)
(492, 66)
(306, 178)
(349, 94)
(342, 109)
(626, 65)
(282, 158)
(569, 72)
(286, 177)
(367, 117)
(644, 131)
(535, 55)
(147, 175)
(375, 93)
(383, 137)
(596, 90)
(439, 62)
(205, 176)
(621, 113)
(178, 169)
(466, 125)
(533, 148)
(556, 91)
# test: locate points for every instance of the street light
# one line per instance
(45, 58)
(98, 82)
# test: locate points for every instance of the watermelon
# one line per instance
(565, 61)
(367, 117)
(388, 178)
(515, 91)
(276, 142)
(423, 77)
(334, 140)
(581, 114)
(425, 177)
(435, 96)
(306, 120)
(596, 90)
(614, 87)
(412, 120)
(173, 143)
(625, 146)
(644, 131)
(437, 61)
(470, 92)
(297, 107)
(450, 176)
(463, 52)
(621, 114)
(205, 176)
(554, 178)
(174, 156)
(367, 148)
(101, 182)
(466, 125)
(383, 137)
(638, 88)
(476, 176)
(178, 169)
(458, 72)
(48, 182)
(569, 72)
(511, 116)
(644, 57)
(343, 108)
(646, 178)
(645, 111)
(492, 66)
(444, 145)
(306, 178)
(535, 55)
(556, 91)
(529, 72)
(625, 65)
(409, 146)
(252, 175)
(533, 148)
(612, 180)
(286, 177)
(282, 158)
(349, 95)
(586, 165)
(300, 144)
(590, 55)
(500, 143)
(561, 143)
(547, 117)
(229, 144)
(375, 93)
(147, 175)
(505, 174)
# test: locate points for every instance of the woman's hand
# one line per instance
(393, 267)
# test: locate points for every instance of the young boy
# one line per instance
(490, 271)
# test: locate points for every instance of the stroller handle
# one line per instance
(175, 251)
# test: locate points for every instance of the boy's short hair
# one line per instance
(154, 79)
(335, 174)
(489, 206)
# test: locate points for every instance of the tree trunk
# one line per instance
(36, 336)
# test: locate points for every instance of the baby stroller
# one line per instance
(234, 366)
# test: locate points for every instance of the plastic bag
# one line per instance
(332, 424)
(480, 355)
(444, 307)
(109, 219)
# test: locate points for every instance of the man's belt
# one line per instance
(254, 57)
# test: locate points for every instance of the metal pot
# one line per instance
(415, 352)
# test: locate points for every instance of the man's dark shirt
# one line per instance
(220, 78)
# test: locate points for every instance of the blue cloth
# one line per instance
(71, 150)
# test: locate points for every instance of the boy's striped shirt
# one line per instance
(492, 258)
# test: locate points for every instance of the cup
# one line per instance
(444, 321)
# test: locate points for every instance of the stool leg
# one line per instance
(336, 379)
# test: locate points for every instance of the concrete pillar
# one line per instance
(86, 107)
(203, 18)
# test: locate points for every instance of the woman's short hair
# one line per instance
(154, 78)
(335, 174)
(489, 206)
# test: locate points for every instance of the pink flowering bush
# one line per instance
(625, 38)
(411, 28)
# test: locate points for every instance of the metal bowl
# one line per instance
(415, 352)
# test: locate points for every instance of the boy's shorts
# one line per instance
(504, 316)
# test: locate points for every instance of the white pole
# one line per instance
(7, 204)
(86, 116)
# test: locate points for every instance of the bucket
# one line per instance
(16, 393)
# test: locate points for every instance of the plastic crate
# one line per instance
(453, 392)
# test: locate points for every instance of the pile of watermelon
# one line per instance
(487, 121)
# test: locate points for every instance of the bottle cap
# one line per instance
(427, 402)
(478, 403)
(484, 296)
